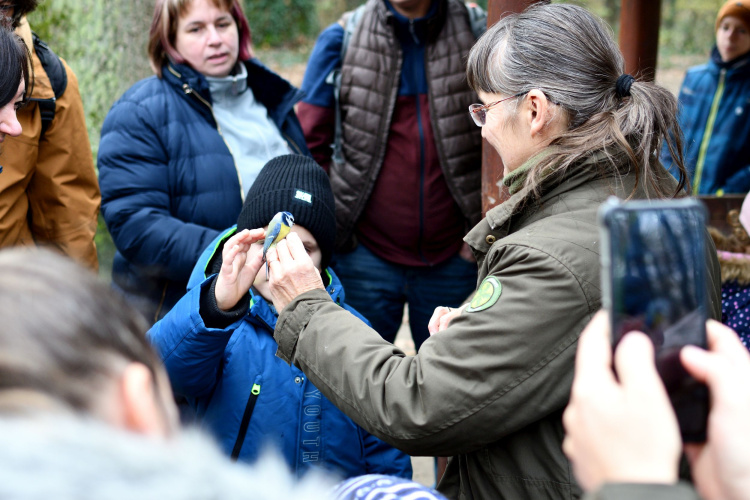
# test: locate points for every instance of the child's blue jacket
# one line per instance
(715, 119)
(216, 370)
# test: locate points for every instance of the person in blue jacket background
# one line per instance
(715, 109)
(218, 348)
(179, 150)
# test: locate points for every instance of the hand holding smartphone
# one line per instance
(654, 281)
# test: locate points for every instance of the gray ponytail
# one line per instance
(570, 55)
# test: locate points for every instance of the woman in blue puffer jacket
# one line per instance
(179, 150)
(218, 347)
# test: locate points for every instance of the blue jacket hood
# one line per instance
(735, 63)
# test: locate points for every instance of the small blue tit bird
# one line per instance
(278, 228)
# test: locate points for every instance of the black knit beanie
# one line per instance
(298, 185)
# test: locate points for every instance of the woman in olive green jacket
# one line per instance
(489, 387)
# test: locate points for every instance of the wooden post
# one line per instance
(639, 36)
(492, 166)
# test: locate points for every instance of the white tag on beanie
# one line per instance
(302, 195)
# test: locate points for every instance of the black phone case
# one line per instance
(660, 289)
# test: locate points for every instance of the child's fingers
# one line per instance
(250, 236)
(245, 237)
(228, 255)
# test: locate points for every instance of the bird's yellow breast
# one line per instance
(283, 231)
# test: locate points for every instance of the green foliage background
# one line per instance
(104, 41)
(687, 26)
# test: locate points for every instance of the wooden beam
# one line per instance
(639, 36)
(492, 166)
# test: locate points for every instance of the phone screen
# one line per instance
(657, 282)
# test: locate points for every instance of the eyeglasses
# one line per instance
(478, 112)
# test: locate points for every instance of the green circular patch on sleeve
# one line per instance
(487, 294)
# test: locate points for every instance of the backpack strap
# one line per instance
(477, 19)
(349, 22)
(58, 78)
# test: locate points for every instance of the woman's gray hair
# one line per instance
(64, 333)
(570, 55)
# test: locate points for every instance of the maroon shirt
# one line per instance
(411, 217)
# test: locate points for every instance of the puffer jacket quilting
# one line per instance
(370, 81)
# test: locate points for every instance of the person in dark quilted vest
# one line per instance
(408, 184)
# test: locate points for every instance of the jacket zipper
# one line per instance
(261, 320)
(291, 143)
(188, 90)
(708, 131)
(412, 32)
(420, 128)
(161, 302)
(246, 416)
(422, 149)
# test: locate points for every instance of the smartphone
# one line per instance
(654, 281)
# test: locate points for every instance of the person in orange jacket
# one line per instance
(50, 192)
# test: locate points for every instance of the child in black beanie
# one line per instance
(218, 348)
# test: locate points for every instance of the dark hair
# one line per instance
(569, 54)
(14, 65)
(21, 8)
(64, 333)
